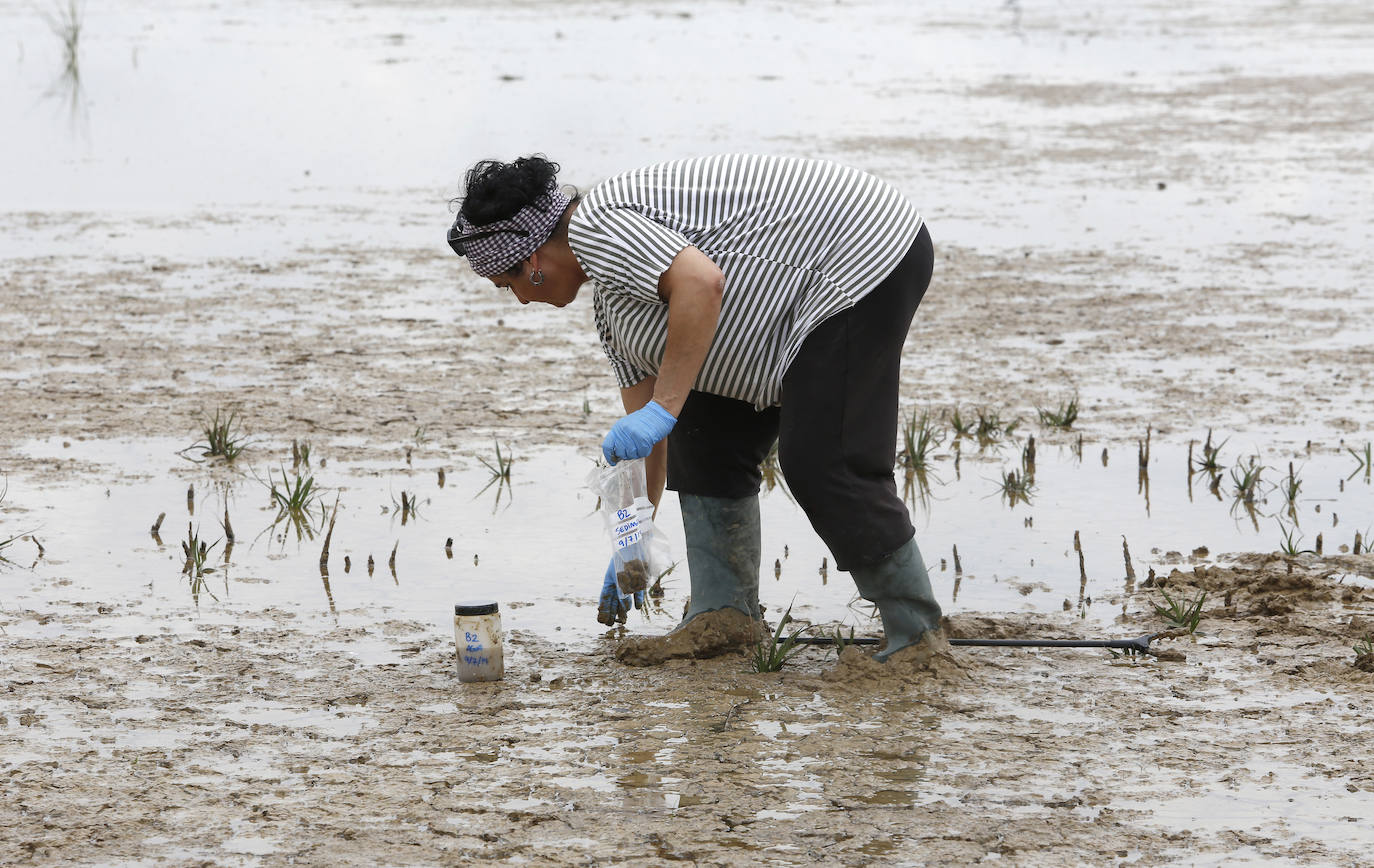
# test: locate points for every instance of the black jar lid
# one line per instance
(476, 607)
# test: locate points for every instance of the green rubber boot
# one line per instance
(900, 586)
(723, 553)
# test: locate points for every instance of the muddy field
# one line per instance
(223, 744)
(1182, 243)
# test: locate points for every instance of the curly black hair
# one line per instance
(497, 191)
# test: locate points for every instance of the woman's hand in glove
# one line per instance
(614, 606)
(634, 436)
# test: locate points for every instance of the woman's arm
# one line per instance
(656, 463)
(692, 286)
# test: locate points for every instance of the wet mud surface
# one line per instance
(1185, 249)
(221, 742)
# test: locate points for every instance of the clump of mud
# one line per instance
(709, 634)
(1264, 586)
(633, 577)
(932, 659)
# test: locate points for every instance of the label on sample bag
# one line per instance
(626, 530)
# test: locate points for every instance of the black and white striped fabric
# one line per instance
(798, 241)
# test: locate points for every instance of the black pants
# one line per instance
(836, 429)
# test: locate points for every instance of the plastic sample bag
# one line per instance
(639, 553)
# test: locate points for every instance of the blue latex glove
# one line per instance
(614, 606)
(634, 436)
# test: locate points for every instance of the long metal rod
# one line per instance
(1141, 643)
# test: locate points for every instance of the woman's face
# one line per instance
(558, 288)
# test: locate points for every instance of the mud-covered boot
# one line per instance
(724, 551)
(723, 555)
(900, 586)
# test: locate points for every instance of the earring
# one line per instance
(536, 278)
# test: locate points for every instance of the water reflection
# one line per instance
(67, 22)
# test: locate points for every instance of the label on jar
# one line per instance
(474, 650)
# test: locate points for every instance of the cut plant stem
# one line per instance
(329, 534)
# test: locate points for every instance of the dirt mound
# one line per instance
(931, 660)
(707, 635)
(1009, 626)
(1264, 585)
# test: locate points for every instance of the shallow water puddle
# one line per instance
(1280, 802)
(537, 545)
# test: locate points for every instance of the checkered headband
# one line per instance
(495, 247)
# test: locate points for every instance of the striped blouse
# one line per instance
(797, 240)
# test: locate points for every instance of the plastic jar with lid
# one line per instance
(477, 634)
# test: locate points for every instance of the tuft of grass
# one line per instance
(1364, 647)
(990, 426)
(1017, 486)
(919, 438)
(770, 654)
(500, 472)
(840, 640)
(1245, 478)
(1290, 487)
(500, 467)
(294, 496)
(656, 589)
(1062, 416)
(197, 554)
(1210, 462)
(300, 454)
(298, 502)
(962, 427)
(1180, 614)
(221, 436)
(1291, 539)
(196, 567)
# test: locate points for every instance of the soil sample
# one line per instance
(633, 576)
